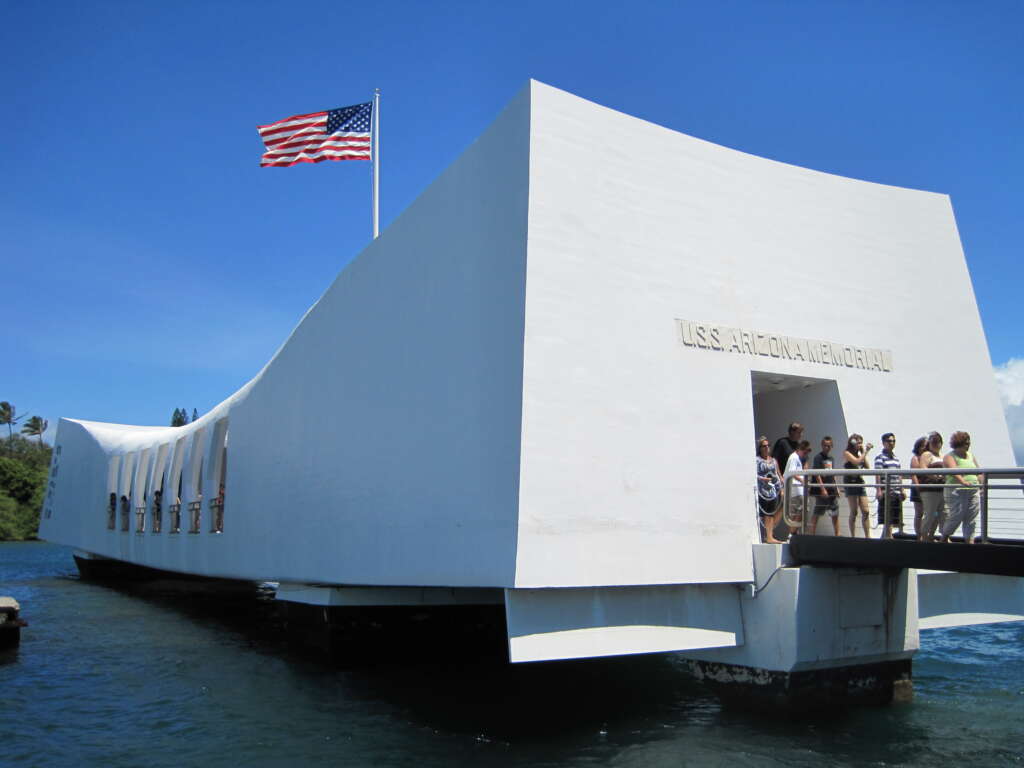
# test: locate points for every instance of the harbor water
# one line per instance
(128, 677)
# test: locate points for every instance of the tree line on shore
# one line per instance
(180, 417)
(24, 466)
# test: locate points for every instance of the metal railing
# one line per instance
(194, 511)
(174, 516)
(1000, 491)
(217, 516)
(174, 510)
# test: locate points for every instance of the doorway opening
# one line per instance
(781, 399)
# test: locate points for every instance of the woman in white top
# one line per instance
(797, 500)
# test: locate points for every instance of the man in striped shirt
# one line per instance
(886, 459)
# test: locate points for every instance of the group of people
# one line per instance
(942, 503)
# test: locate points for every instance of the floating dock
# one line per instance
(10, 623)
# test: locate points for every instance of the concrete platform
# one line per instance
(996, 559)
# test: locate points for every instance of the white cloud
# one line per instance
(1010, 381)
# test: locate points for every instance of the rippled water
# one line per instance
(115, 678)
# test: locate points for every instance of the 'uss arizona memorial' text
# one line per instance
(726, 339)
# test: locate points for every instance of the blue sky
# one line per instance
(151, 263)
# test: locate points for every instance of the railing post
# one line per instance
(886, 511)
(787, 502)
(194, 513)
(803, 505)
(984, 509)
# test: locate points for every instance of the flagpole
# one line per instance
(376, 162)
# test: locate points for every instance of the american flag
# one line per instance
(337, 134)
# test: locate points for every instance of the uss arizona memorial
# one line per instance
(540, 387)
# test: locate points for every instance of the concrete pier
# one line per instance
(820, 633)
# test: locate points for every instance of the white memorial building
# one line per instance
(541, 386)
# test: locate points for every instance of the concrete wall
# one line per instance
(496, 393)
(548, 624)
(816, 618)
(381, 444)
(637, 449)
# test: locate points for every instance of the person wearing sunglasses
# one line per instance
(769, 490)
(886, 459)
(824, 489)
(962, 499)
(930, 488)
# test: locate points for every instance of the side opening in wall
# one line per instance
(141, 484)
(781, 399)
(174, 486)
(158, 482)
(194, 480)
(125, 480)
(217, 469)
(113, 468)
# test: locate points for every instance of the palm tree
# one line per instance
(7, 417)
(35, 426)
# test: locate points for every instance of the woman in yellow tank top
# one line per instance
(961, 489)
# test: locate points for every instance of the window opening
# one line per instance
(217, 472)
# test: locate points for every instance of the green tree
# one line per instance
(23, 472)
(30, 453)
(35, 426)
(17, 521)
(7, 416)
(178, 419)
(19, 480)
(195, 414)
(22, 487)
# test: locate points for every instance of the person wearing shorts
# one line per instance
(824, 489)
(793, 467)
(886, 459)
(856, 457)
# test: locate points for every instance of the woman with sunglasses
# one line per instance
(961, 489)
(769, 490)
(930, 488)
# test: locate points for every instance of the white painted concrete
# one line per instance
(497, 392)
(817, 618)
(376, 596)
(956, 599)
(393, 450)
(548, 624)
